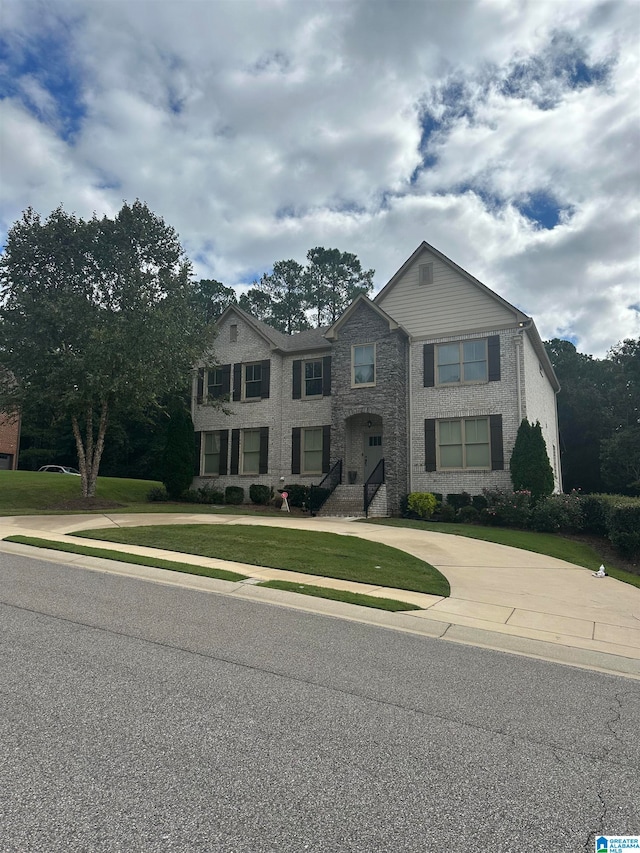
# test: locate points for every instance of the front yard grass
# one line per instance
(326, 554)
(342, 595)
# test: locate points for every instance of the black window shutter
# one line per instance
(497, 452)
(196, 454)
(264, 384)
(235, 450)
(295, 450)
(224, 451)
(429, 369)
(237, 382)
(326, 376)
(326, 448)
(200, 391)
(264, 450)
(226, 378)
(430, 445)
(493, 353)
(297, 380)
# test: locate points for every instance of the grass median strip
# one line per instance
(123, 557)
(329, 555)
(342, 595)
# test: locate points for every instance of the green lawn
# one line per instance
(30, 492)
(342, 595)
(325, 554)
(124, 557)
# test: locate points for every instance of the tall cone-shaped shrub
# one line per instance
(530, 467)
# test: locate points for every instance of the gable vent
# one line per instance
(425, 273)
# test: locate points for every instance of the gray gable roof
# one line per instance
(307, 341)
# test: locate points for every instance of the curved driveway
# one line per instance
(501, 597)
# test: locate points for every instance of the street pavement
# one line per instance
(147, 717)
(501, 598)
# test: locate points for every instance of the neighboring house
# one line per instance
(9, 441)
(433, 376)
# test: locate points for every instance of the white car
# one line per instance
(59, 469)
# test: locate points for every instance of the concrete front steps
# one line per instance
(348, 501)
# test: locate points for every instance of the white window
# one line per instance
(312, 451)
(363, 365)
(214, 382)
(250, 451)
(462, 362)
(252, 381)
(312, 378)
(464, 443)
(211, 453)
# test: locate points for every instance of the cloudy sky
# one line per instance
(503, 132)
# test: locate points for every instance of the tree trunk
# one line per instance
(90, 452)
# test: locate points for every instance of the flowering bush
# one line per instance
(506, 509)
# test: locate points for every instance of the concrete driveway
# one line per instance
(501, 598)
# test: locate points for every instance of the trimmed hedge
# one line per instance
(260, 494)
(234, 495)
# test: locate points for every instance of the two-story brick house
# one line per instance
(433, 376)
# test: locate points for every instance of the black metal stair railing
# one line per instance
(375, 480)
(319, 495)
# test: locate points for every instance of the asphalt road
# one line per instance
(139, 717)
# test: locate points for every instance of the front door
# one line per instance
(372, 452)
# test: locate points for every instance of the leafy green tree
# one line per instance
(211, 298)
(585, 413)
(333, 280)
(257, 303)
(96, 320)
(530, 467)
(286, 287)
(179, 451)
(620, 461)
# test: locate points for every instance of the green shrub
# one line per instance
(177, 459)
(506, 509)
(457, 501)
(468, 515)
(260, 494)
(624, 528)
(479, 502)
(298, 495)
(158, 494)
(234, 495)
(557, 512)
(210, 495)
(530, 467)
(191, 496)
(595, 512)
(421, 504)
(447, 513)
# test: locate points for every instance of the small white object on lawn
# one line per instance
(600, 573)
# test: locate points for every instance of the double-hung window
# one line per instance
(464, 443)
(312, 451)
(313, 378)
(462, 362)
(211, 453)
(250, 451)
(252, 381)
(215, 382)
(363, 365)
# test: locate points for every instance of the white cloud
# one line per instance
(262, 129)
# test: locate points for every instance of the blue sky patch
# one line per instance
(42, 76)
(541, 208)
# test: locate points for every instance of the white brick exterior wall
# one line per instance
(524, 388)
(540, 405)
